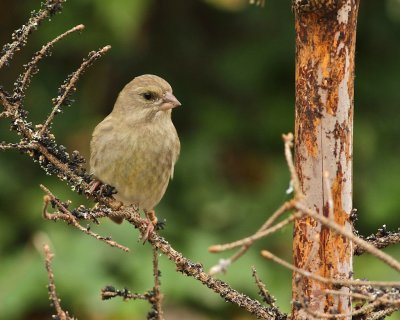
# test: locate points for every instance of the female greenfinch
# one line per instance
(135, 148)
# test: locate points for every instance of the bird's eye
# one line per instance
(148, 96)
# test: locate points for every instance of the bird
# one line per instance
(135, 148)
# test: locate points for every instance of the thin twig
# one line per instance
(20, 36)
(55, 301)
(390, 261)
(17, 146)
(69, 86)
(385, 299)
(157, 297)
(5, 114)
(258, 235)
(248, 241)
(31, 67)
(110, 292)
(343, 282)
(67, 216)
(264, 230)
(381, 314)
(288, 142)
(363, 310)
(381, 240)
(264, 293)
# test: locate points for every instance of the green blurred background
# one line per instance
(232, 67)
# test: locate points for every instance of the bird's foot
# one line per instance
(94, 185)
(152, 223)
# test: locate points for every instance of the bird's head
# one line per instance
(145, 98)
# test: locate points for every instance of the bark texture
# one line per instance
(325, 47)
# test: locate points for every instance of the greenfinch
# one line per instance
(135, 148)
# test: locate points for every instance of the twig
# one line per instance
(196, 271)
(157, 312)
(390, 261)
(67, 216)
(381, 239)
(343, 282)
(378, 315)
(264, 230)
(264, 293)
(370, 297)
(55, 301)
(31, 68)
(69, 85)
(320, 315)
(20, 36)
(18, 146)
(5, 114)
(258, 235)
(288, 141)
(110, 292)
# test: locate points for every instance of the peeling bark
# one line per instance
(325, 46)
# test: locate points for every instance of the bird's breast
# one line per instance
(138, 162)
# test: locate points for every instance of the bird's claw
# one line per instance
(149, 230)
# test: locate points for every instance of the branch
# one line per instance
(67, 216)
(156, 300)
(69, 86)
(23, 80)
(110, 292)
(264, 293)
(390, 261)
(342, 282)
(20, 36)
(266, 228)
(380, 240)
(55, 301)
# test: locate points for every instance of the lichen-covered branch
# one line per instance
(55, 301)
(20, 36)
(382, 239)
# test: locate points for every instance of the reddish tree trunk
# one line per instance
(325, 46)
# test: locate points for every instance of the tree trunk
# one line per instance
(325, 46)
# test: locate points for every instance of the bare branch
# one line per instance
(20, 36)
(265, 228)
(264, 293)
(390, 261)
(67, 216)
(23, 80)
(55, 301)
(381, 239)
(342, 282)
(259, 234)
(156, 300)
(380, 314)
(69, 86)
(110, 292)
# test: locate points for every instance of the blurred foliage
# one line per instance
(232, 67)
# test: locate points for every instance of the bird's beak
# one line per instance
(169, 102)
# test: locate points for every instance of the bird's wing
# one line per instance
(175, 156)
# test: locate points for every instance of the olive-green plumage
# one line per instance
(136, 146)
